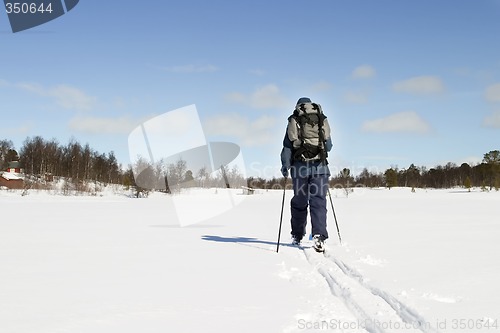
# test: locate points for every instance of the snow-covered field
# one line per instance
(409, 262)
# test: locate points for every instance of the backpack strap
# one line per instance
(321, 118)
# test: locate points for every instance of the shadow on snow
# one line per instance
(245, 241)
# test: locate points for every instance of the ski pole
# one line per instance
(334, 216)
(281, 217)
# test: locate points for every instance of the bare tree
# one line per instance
(6, 148)
(203, 176)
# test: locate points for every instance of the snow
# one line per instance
(10, 176)
(409, 262)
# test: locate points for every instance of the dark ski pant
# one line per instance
(309, 192)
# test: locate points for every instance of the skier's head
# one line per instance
(303, 100)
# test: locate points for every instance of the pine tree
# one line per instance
(492, 160)
(468, 183)
(391, 178)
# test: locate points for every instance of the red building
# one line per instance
(11, 181)
(14, 167)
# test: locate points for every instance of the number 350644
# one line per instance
(27, 8)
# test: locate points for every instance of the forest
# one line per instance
(485, 175)
(80, 163)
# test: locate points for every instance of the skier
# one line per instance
(305, 146)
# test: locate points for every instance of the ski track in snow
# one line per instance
(407, 314)
(339, 278)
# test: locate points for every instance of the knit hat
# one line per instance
(303, 100)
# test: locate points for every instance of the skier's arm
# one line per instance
(328, 144)
(286, 140)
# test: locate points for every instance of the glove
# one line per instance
(284, 171)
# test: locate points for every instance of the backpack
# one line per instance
(308, 131)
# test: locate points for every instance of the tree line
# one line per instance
(174, 176)
(485, 175)
(79, 163)
(40, 157)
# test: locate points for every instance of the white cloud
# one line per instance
(97, 125)
(31, 87)
(192, 69)
(266, 97)
(420, 85)
(470, 73)
(493, 93)
(236, 97)
(402, 122)
(247, 132)
(72, 98)
(356, 97)
(493, 120)
(66, 96)
(19, 130)
(363, 72)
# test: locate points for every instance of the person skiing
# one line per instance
(305, 150)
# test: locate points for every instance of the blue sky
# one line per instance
(401, 81)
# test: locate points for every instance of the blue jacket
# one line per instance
(303, 169)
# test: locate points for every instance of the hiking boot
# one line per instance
(296, 240)
(319, 243)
